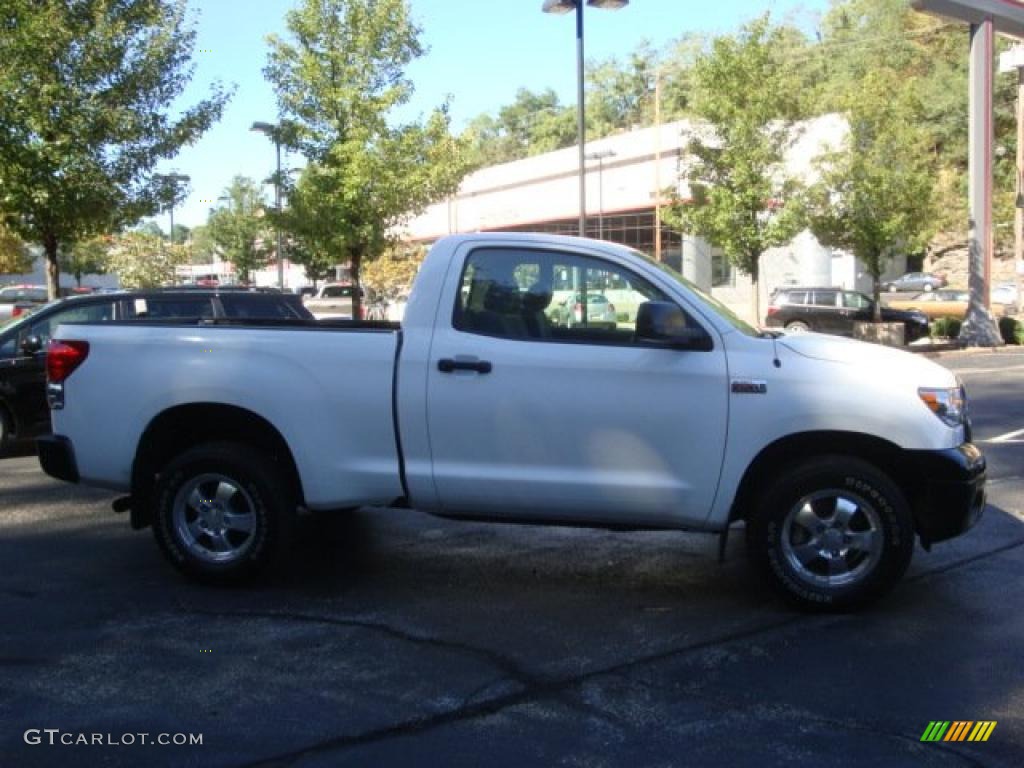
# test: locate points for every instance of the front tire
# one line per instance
(832, 533)
(223, 512)
(798, 326)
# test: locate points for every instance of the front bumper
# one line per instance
(57, 457)
(951, 491)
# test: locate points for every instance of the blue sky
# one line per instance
(480, 53)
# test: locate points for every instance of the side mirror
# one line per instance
(663, 323)
(31, 345)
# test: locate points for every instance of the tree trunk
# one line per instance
(877, 296)
(755, 290)
(357, 299)
(50, 248)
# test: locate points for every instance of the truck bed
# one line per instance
(325, 387)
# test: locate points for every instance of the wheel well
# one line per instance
(182, 427)
(774, 458)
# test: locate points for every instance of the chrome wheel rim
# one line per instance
(832, 538)
(214, 518)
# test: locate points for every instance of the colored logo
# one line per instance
(958, 730)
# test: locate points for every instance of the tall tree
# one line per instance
(741, 200)
(142, 260)
(85, 95)
(87, 257)
(620, 95)
(310, 219)
(240, 229)
(876, 197)
(338, 76)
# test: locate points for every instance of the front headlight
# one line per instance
(950, 405)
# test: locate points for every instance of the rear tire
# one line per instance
(928, 288)
(5, 430)
(798, 326)
(832, 533)
(223, 512)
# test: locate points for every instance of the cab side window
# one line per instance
(550, 296)
(88, 313)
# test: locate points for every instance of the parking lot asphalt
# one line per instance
(399, 639)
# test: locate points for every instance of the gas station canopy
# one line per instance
(1007, 15)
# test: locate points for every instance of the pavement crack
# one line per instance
(507, 666)
(542, 689)
(939, 570)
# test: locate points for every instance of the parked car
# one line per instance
(23, 411)
(835, 310)
(837, 454)
(569, 312)
(916, 281)
(334, 300)
(12, 296)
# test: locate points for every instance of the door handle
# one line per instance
(447, 365)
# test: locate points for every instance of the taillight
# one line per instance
(63, 357)
(772, 310)
(17, 311)
(362, 312)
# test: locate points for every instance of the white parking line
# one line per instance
(1009, 437)
(988, 370)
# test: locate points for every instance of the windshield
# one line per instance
(731, 317)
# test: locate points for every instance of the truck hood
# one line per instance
(872, 359)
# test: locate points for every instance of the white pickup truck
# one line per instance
(835, 453)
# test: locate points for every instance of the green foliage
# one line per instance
(532, 124)
(142, 260)
(876, 197)
(394, 270)
(337, 77)
(88, 257)
(945, 327)
(202, 248)
(1012, 330)
(239, 229)
(15, 258)
(85, 91)
(181, 234)
(740, 198)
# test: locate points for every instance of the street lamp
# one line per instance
(600, 157)
(273, 131)
(173, 178)
(560, 7)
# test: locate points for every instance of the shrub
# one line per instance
(946, 327)
(1012, 330)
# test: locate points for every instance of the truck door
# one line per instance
(531, 418)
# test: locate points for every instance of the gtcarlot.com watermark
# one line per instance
(55, 737)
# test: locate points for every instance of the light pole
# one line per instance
(600, 156)
(173, 178)
(273, 131)
(564, 6)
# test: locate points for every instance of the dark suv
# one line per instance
(834, 310)
(23, 409)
